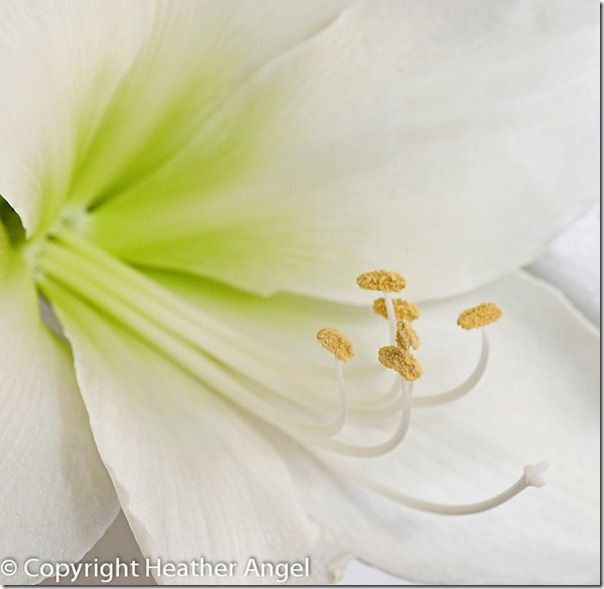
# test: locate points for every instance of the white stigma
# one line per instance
(398, 403)
(533, 474)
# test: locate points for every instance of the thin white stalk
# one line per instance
(464, 388)
(395, 440)
(531, 477)
(391, 317)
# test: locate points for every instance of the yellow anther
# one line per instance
(336, 343)
(381, 280)
(406, 336)
(402, 309)
(479, 316)
(402, 361)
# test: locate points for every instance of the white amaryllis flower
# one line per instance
(199, 183)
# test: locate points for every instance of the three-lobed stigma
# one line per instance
(398, 401)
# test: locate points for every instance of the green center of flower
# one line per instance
(144, 165)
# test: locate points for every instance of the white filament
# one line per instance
(379, 449)
(343, 396)
(333, 427)
(391, 394)
(183, 348)
(391, 317)
(465, 387)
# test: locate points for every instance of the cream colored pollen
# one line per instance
(402, 309)
(479, 316)
(402, 361)
(406, 336)
(336, 343)
(383, 280)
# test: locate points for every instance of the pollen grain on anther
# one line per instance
(399, 402)
(405, 363)
(479, 316)
(336, 342)
(384, 280)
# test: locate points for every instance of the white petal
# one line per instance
(538, 400)
(459, 454)
(450, 140)
(87, 85)
(56, 497)
(193, 477)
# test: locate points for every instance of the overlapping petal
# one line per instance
(270, 145)
(56, 499)
(423, 135)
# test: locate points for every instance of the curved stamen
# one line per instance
(163, 316)
(379, 449)
(531, 477)
(184, 353)
(371, 413)
(190, 324)
(293, 413)
(465, 387)
(248, 352)
(341, 386)
(331, 428)
(368, 410)
(383, 399)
